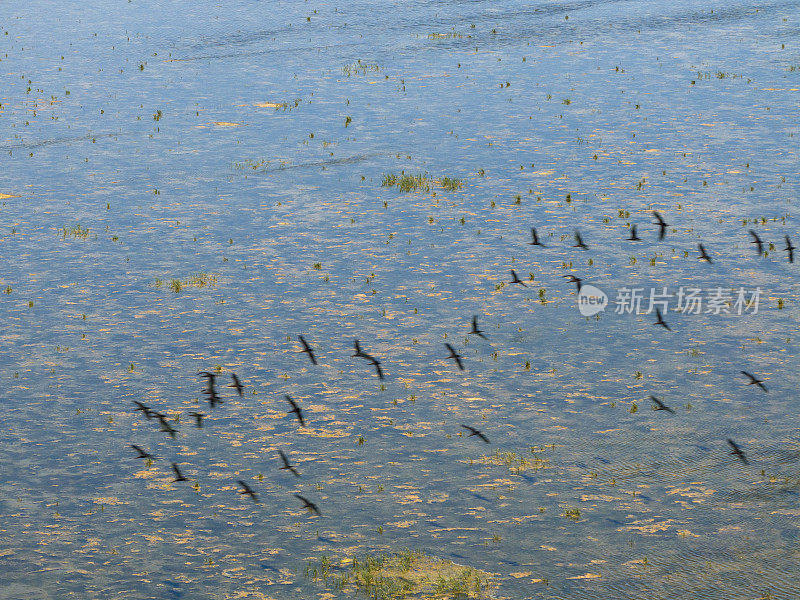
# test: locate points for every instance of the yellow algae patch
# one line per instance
(402, 524)
(4, 196)
(696, 494)
(226, 124)
(268, 105)
(686, 533)
(521, 574)
(111, 501)
(586, 576)
(647, 526)
(516, 463)
(399, 575)
(325, 433)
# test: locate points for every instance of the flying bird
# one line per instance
(375, 362)
(198, 418)
(178, 475)
(754, 381)
(247, 491)
(145, 409)
(213, 396)
(660, 320)
(703, 254)
(662, 225)
(455, 356)
(307, 349)
(579, 241)
(296, 410)
(142, 453)
(659, 405)
(475, 330)
(208, 375)
(475, 432)
(790, 249)
(166, 427)
(576, 280)
(535, 239)
(308, 504)
(286, 466)
(633, 237)
(516, 279)
(737, 451)
(236, 384)
(757, 241)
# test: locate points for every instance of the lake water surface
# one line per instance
(190, 187)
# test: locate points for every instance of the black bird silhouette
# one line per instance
(236, 384)
(375, 362)
(754, 381)
(576, 280)
(142, 453)
(662, 225)
(757, 241)
(737, 451)
(307, 349)
(296, 410)
(579, 241)
(455, 356)
(247, 491)
(660, 320)
(703, 254)
(661, 406)
(790, 249)
(516, 279)
(358, 351)
(208, 375)
(535, 239)
(475, 330)
(475, 432)
(308, 504)
(633, 237)
(166, 427)
(198, 418)
(145, 409)
(178, 475)
(286, 466)
(213, 396)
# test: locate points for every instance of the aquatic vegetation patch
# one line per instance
(251, 164)
(420, 181)
(450, 35)
(516, 463)
(198, 280)
(75, 231)
(360, 68)
(403, 574)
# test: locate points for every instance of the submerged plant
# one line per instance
(198, 280)
(403, 574)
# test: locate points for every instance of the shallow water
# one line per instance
(170, 155)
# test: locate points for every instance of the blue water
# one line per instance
(146, 142)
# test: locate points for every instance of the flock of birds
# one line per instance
(214, 398)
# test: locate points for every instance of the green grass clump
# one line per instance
(360, 68)
(76, 231)
(198, 280)
(420, 181)
(404, 574)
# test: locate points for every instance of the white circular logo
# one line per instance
(591, 300)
